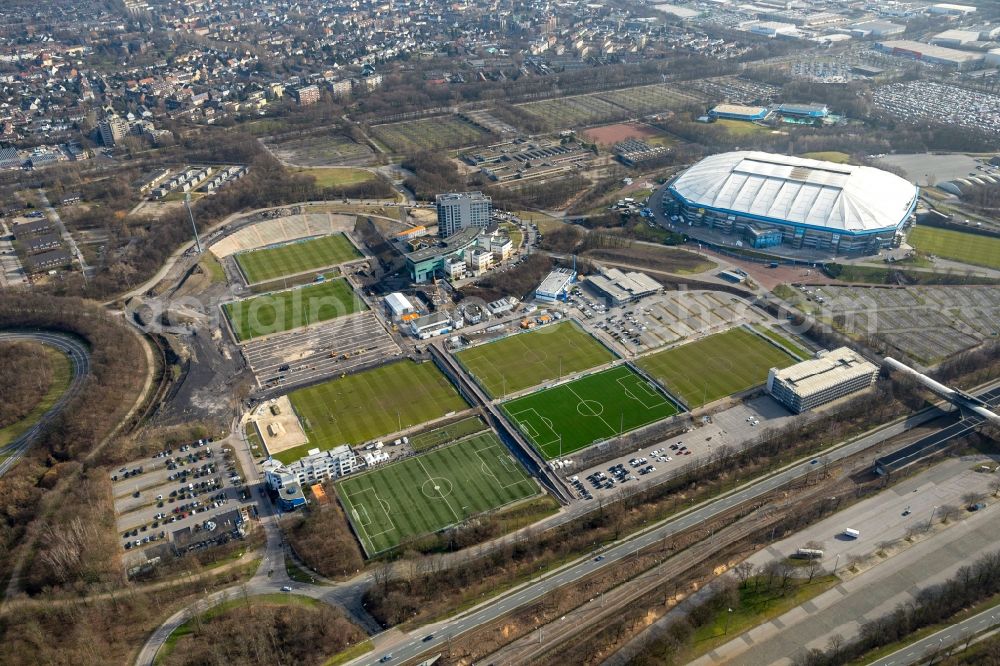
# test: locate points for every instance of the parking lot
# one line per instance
(661, 319)
(735, 427)
(916, 102)
(326, 349)
(927, 323)
(11, 272)
(180, 488)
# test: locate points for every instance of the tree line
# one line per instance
(932, 605)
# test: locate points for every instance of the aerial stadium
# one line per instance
(768, 200)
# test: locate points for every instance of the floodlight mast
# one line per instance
(194, 227)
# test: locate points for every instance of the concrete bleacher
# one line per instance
(281, 230)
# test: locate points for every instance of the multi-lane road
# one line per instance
(415, 645)
(79, 358)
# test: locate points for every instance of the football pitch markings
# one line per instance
(569, 417)
(528, 359)
(432, 491)
(281, 311)
(295, 257)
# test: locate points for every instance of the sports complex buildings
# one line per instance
(767, 200)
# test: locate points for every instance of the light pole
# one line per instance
(930, 522)
(835, 564)
(729, 614)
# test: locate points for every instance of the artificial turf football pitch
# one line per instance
(270, 263)
(720, 365)
(429, 492)
(529, 359)
(293, 308)
(571, 416)
(357, 408)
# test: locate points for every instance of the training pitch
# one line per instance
(429, 492)
(270, 263)
(293, 308)
(565, 418)
(715, 367)
(966, 248)
(357, 408)
(529, 359)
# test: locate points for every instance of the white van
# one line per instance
(851, 533)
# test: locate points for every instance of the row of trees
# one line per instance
(932, 605)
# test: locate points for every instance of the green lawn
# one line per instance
(429, 492)
(784, 342)
(448, 433)
(529, 359)
(293, 308)
(829, 156)
(568, 417)
(360, 407)
(966, 248)
(740, 127)
(337, 176)
(62, 374)
(715, 367)
(755, 606)
(295, 257)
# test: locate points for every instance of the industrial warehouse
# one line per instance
(766, 200)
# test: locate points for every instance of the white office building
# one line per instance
(462, 210)
(832, 375)
(316, 467)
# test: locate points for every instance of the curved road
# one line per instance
(79, 357)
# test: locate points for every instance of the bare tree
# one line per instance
(949, 512)
(971, 498)
(743, 571)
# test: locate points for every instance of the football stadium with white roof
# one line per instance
(767, 200)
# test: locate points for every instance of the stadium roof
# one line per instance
(784, 189)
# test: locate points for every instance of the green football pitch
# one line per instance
(966, 248)
(562, 419)
(357, 408)
(715, 367)
(293, 308)
(529, 359)
(429, 492)
(270, 263)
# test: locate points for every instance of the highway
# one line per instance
(499, 606)
(79, 357)
(927, 647)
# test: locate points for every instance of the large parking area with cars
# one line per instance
(918, 101)
(736, 427)
(178, 489)
(660, 319)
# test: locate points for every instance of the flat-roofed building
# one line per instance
(316, 467)
(461, 210)
(738, 112)
(832, 375)
(437, 323)
(938, 55)
(620, 287)
(555, 286)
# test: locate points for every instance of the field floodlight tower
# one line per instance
(194, 227)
